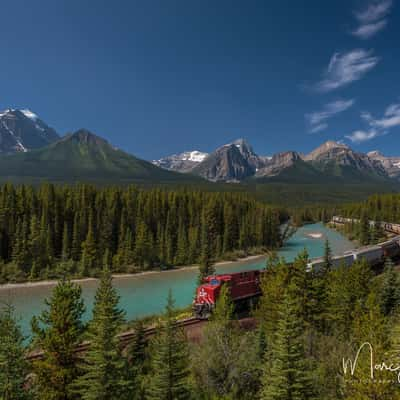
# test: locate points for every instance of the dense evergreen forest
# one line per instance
(54, 231)
(307, 322)
(379, 207)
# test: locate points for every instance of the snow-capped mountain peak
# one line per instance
(195, 156)
(29, 114)
(22, 130)
(183, 162)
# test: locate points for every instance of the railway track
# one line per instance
(125, 338)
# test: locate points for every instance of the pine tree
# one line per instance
(169, 363)
(104, 370)
(206, 259)
(89, 260)
(288, 376)
(390, 292)
(137, 357)
(57, 331)
(327, 257)
(13, 366)
(364, 235)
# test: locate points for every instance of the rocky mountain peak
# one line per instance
(22, 130)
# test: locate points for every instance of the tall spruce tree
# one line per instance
(390, 292)
(58, 331)
(169, 361)
(138, 361)
(327, 256)
(288, 376)
(104, 370)
(364, 235)
(13, 366)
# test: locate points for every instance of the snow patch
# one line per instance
(196, 156)
(21, 146)
(29, 114)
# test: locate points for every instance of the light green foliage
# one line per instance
(225, 364)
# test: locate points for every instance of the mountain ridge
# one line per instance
(333, 160)
(83, 156)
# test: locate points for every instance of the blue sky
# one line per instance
(156, 77)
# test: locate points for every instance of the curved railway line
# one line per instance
(193, 325)
(125, 338)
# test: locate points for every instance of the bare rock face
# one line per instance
(232, 162)
(278, 163)
(390, 164)
(237, 161)
(328, 150)
(333, 153)
(22, 130)
(249, 155)
(225, 164)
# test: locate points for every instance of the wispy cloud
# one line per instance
(368, 30)
(317, 120)
(362, 136)
(377, 127)
(372, 18)
(346, 68)
(319, 128)
(375, 10)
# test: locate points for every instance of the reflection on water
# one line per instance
(145, 294)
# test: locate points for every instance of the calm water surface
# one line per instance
(145, 294)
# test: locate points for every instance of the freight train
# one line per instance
(387, 226)
(245, 286)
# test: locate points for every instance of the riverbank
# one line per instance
(53, 282)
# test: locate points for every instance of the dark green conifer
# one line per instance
(58, 331)
(288, 375)
(104, 370)
(169, 362)
(13, 366)
(390, 292)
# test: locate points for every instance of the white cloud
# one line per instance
(375, 10)
(317, 120)
(362, 136)
(368, 30)
(318, 128)
(372, 19)
(377, 127)
(390, 119)
(346, 68)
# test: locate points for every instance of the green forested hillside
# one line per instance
(85, 157)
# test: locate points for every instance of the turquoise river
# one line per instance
(145, 294)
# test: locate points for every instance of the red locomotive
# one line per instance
(244, 287)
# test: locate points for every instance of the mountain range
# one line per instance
(31, 151)
(237, 161)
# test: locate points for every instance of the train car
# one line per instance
(317, 263)
(343, 260)
(391, 248)
(372, 254)
(243, 286)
